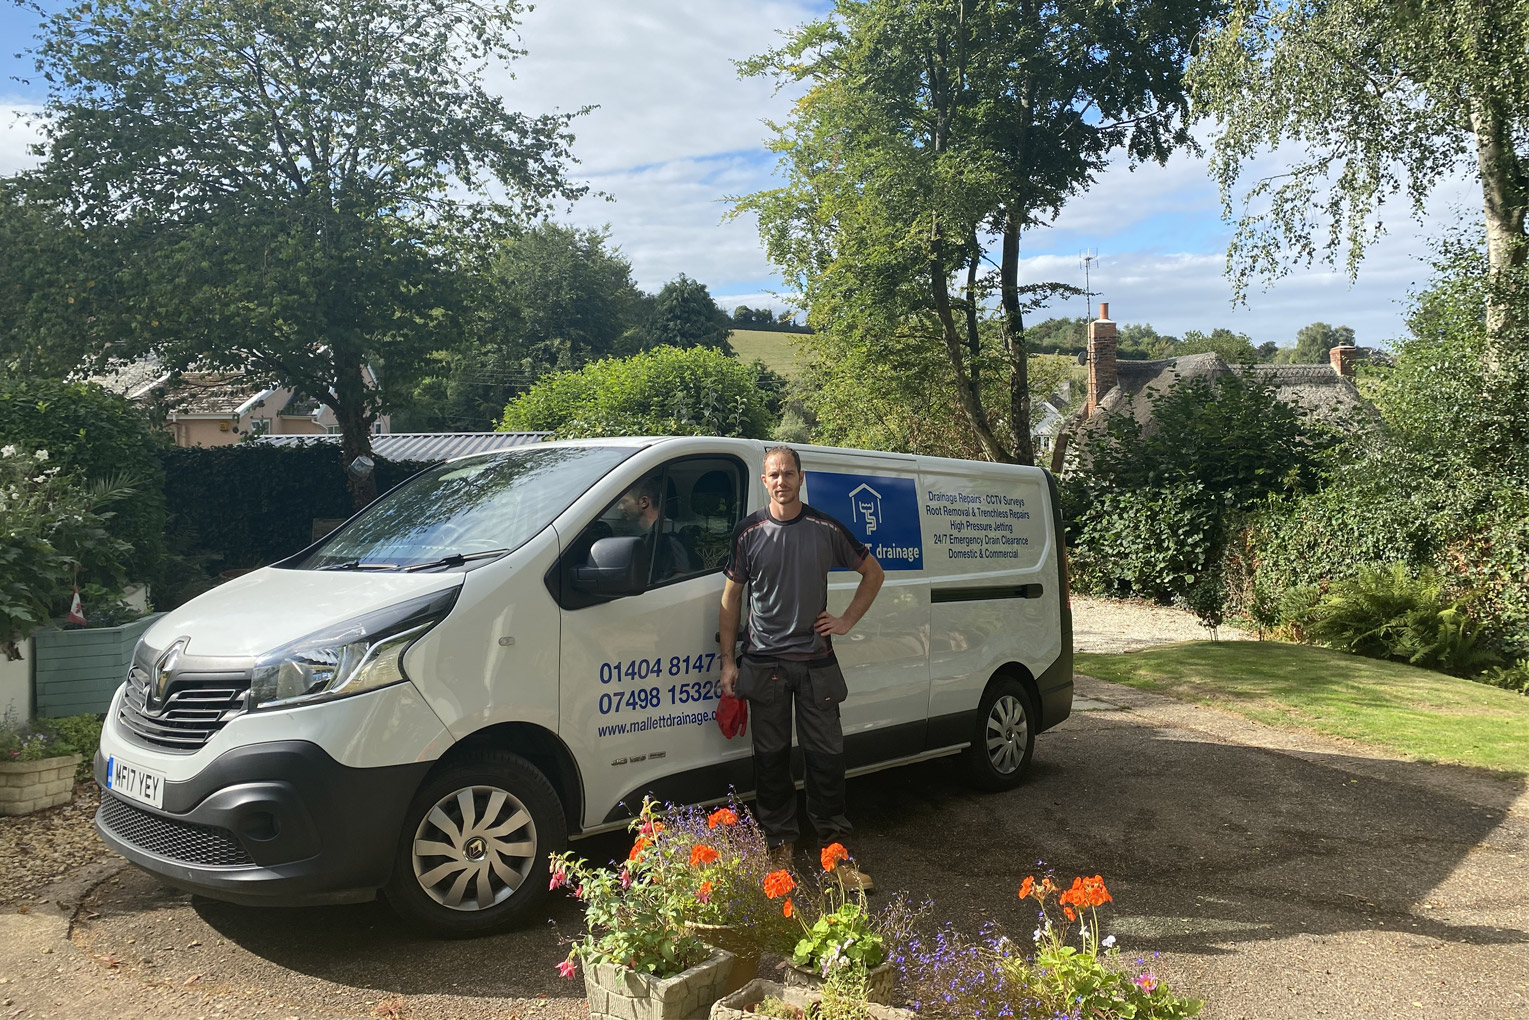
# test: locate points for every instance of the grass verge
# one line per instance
(1413, 711)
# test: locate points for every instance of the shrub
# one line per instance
(250, 504)
(24, 741)
(52, 536)
(1388, 613)
(1151, 542)
(76, 734)
(109, 441)
(665, 391)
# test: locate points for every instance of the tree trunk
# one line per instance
(1014, 342)
(1505, 194)
(356, 441)
(954, 348)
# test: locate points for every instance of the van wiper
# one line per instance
(454, 560)
(358, 565)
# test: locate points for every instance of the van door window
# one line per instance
(684, 512)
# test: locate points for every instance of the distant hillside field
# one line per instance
(778, 351)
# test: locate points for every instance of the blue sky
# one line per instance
(676, 130)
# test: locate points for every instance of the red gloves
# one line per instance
(732, 715)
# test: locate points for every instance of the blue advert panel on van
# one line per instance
(882, 511)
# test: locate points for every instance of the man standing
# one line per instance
(784, 553)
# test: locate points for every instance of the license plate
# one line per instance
(135, 782)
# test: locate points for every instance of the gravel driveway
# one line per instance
(1279, 876)
(1120, 625)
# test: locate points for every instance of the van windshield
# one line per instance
(471, 509)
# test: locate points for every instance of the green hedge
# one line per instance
(250, 504)
(104, 437)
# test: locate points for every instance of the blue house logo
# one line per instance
(881, 510)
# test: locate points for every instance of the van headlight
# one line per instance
(353, 657)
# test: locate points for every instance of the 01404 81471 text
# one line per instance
(636, 699)
(651, 669)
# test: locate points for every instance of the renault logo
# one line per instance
(164, 672)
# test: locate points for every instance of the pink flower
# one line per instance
(565, 968)
(626, 879)
(556, 880)
(579, 892)
(1146, 982)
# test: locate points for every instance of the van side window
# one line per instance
(684, 512)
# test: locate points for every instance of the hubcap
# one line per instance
(1007, 730)
(474, 848)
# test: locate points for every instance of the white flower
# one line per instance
(1037, 936)
(42, 455)
(1109, 942)
(7, 451)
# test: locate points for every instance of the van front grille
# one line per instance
(166, 837)
(196, 706)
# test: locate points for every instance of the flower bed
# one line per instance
(693, 875)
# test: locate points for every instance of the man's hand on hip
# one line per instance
(827, 623)
(729, 677)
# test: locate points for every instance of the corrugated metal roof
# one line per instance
(426, 446)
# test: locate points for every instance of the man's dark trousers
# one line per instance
(817, 687)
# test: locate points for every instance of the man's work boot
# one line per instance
(853, 878)
(782, 855)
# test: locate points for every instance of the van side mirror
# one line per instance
(615, 567)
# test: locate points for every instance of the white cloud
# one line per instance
(16, 134)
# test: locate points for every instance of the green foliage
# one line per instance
(553, 299)
(1511, 677)
(1390, 613)
(1384, 99)
(53, 533)
(1152, 510)
(287, 189)
(1234, 348)
(929, 134)
(250, 504)
(665, 391)
(839, 939)
(109, 442)
(75, 734)
(684, 315)
(21, 741)
(1313, 342)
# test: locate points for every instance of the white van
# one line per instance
(492, 658)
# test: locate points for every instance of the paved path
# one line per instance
(1279, 877)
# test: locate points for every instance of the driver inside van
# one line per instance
(642, 504)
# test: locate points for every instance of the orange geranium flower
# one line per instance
(778, 884)
(1070, 915)
(1026, 886)
(721, 816)
(1097, 894)
(832, 854)
(637, 848)
(787, 909)
(702, 854)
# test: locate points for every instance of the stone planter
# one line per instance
(78, 671)
(740, 1004)
(620, 993)
(878, 984)
(27, 786)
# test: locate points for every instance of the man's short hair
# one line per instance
(795, 457)
(647, 487)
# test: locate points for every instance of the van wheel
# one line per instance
(472, 856)
(1004, 739)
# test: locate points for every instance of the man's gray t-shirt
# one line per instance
(786, 565)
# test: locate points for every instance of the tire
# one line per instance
(1003, 737)
(491, 873)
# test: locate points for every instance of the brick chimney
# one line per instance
(1343, 359)
(1102, 375)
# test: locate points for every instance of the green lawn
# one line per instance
(778, 351)
(1416, 712)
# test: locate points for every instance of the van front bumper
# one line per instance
(271, 824)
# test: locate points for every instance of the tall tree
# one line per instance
(288, 185)
(933, 130)
(1383, 97)
(1314, 341)
(684, 314)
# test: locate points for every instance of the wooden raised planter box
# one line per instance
(27, 786)
(78, 671)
